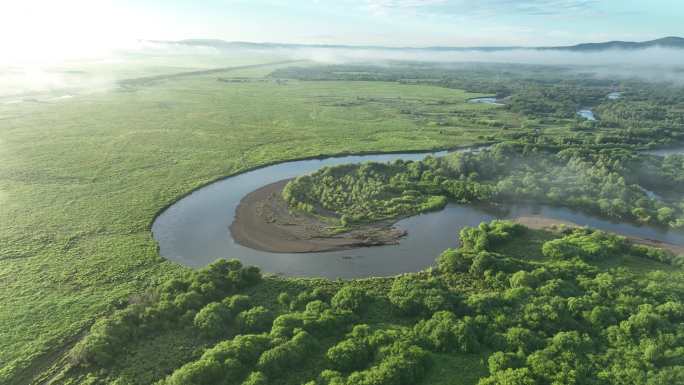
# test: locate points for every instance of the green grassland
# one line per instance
(82, 179)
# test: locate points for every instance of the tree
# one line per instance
(256, 378)
(416, 296)
(213, 319)
(254, 320)
(350, 298)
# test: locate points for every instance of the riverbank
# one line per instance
(264, 222)
(544, 223)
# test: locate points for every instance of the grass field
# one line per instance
(82, 179)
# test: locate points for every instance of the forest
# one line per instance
(614, 183)
(558, 318)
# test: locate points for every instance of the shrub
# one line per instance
(256, 378)
(522, 279)
(255, 320)
(213, 319)
(414, 296)
(350, 354)
(226, 360)
(287, 355)
(284, 299)
(201, 372)
(437, 333)
(521, 376)
(350, 298)
(501, 361)
(402, 364)
(455, 260)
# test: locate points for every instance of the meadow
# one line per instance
(82, 179)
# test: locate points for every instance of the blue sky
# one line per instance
(71, 28)
(416, 22)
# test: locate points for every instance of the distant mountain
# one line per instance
(667, 42)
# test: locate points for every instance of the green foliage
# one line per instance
(488, 235)
(609, 183)
(256, 378)
(401, 364)
(213, 320)
(107, 336)
(552, 320)
(90, 256)
(254, 320)
(412, 296)
(585, 244)
(350, 298)
(287, 355)
(445, 333)
(353, 353)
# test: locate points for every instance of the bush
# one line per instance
(255, 320)
(256, 378)
(213, 319)
(521, 376)
(350, 298)
(455, 261)
(585, 244)
(350, 354)
(437, 333)
(402, 364)
(288, 355)
(413, 296)
(226, 360)
(501, 361)
(202, 372)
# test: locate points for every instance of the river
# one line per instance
(194, 231)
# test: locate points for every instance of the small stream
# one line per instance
(486, 100)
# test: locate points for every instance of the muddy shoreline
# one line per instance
(263, 222)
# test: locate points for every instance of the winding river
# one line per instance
(194, 230)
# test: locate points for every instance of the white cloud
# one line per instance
(485, 7)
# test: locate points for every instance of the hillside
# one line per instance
(668, 42)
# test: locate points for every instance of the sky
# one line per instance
(44, 30)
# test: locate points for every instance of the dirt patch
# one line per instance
(544, 223)
(264, 222)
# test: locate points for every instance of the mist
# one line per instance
(142, 58)
(651, 64)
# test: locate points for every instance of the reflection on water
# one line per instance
(194, 231)
(614, 95)
(487, 100)
(586, 113)
(667, 151)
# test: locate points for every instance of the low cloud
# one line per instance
(653, 64)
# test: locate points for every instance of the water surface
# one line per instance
(667, 151)
(587, 113)
(486, 100)
(195, 230)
